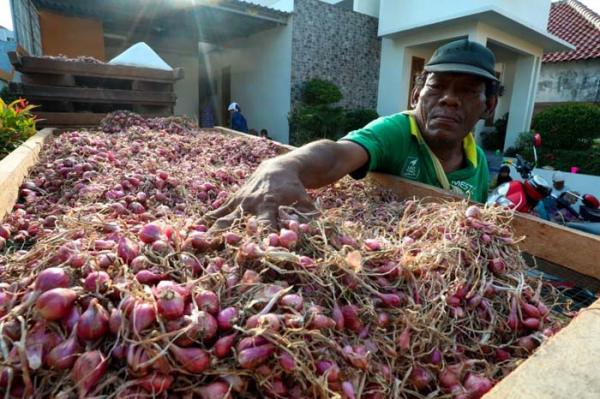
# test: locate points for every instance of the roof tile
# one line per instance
(573, 22)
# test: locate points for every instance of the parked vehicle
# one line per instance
(585, 218)
(523, 195)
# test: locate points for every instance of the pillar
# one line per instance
(523, 96)
(394, 73)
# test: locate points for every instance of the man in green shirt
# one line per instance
(432, 144)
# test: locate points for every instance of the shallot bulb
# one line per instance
(56, 303)
(93, 323)
(87, 371)
(194, 360)
(63, 356)
(52, 277)
(142, 316)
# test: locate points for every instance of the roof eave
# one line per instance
(496, 18)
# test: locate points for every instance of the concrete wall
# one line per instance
(260, 78)
(396, 15)
(71, 36)
(569, 81)
(338, 45)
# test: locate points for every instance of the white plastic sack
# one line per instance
(141, 55)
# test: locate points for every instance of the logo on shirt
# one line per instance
(411, 168)
(461, 187)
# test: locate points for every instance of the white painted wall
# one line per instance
(186, 89)
(399, 15)
(261, 69)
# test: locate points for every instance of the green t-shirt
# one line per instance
(394, 148)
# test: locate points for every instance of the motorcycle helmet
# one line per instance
(537, 188)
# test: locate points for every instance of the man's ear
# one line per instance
(490, 106)
(414, 98)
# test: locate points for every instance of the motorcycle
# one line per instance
(524, 195)
(587, 218)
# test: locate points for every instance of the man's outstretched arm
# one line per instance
(283, 181)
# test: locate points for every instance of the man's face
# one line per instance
(449, 105)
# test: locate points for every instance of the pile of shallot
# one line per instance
(118, 121)
(86, 59)
(112, 285)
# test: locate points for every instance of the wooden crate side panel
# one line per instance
(231, 132)
(46, 65)
(91, 95)
(69, 118)
(570, 248)
(14, 168)
(567, 366)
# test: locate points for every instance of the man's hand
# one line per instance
(282, 181)
(269, 187)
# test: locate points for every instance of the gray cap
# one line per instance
(464, 56)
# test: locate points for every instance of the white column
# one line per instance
(478, 35)
(523, 95)
(394, 75)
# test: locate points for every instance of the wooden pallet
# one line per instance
(79, 94)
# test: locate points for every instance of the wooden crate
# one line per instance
(80, 94)
(565, 367)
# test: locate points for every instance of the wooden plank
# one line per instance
(47, 65)
(232, 132)
(565, 367)
(91, 95)
(14, 168)
(69, 118)
(557, 244)
(48, 79)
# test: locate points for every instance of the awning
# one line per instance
(213, 21)
(496, 18)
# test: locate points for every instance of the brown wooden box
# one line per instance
(567, 366)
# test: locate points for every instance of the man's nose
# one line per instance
(450, 98)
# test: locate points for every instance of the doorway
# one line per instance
(225, 94)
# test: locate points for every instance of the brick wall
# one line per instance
(338, 45)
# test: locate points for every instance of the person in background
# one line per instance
(503, 175)
(558, 184)
(264, 134)
(238, 122)
(253, 132)
(551, 207)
